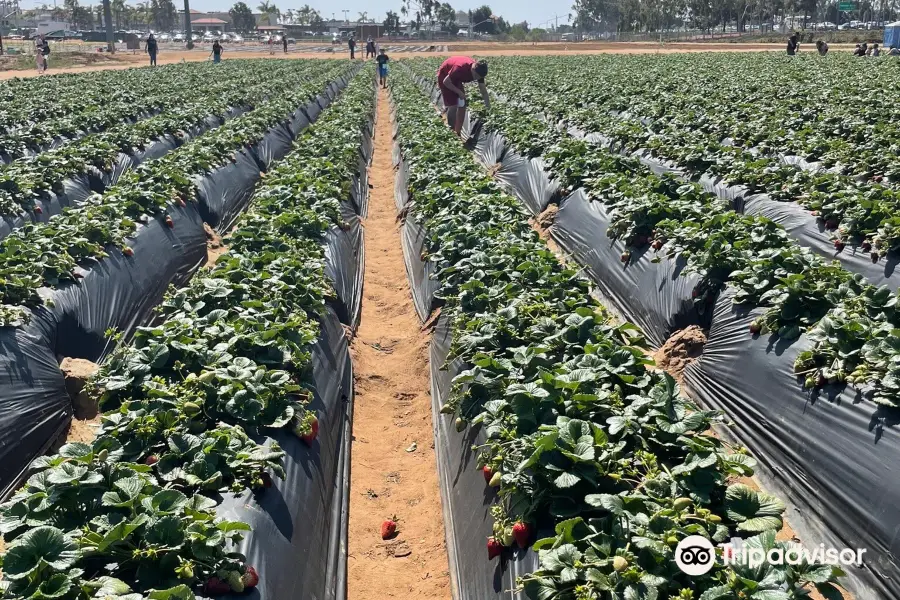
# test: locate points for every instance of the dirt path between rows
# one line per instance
(393, 469)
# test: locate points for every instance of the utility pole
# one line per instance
(187, 25)
(346, 20)
(107, 16)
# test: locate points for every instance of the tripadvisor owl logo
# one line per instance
(695, 555)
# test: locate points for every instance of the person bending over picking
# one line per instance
(452, 76)
(382, 60)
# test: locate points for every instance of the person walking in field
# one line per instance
(39, 54)
(370, 48)
(793, 45)
(351, 43)
(271, 46)
(452, 76)
(382, 60)
(216, 52)
(152, 48)
(284, 43)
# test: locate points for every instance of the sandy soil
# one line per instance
(393, 469)
(215, 247)
(680, 350)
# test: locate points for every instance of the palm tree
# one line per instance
(268, 8)
(363, 17)
(118, 10)
(289, 15)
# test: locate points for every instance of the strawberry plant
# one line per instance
(133, 514)
(580, 435)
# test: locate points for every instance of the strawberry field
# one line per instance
(196, 230)
(217, 393)
(750, 195)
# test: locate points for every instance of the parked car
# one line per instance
(178, 37)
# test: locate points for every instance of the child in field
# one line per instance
(382, 60)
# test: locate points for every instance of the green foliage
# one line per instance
(580, 433)
(132, 515)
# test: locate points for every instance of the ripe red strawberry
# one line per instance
(170, 222)
(217, 587)
(151, 460)
(839, 245)
(487, 472)
(38, 210)
(866, 246)
(250, 578)
(522, 533)
(495, 548)
(657, 244)
(626, 256)
(388, 529)
(313, 431)
(127, 251)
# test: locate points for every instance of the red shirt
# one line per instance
(458, 68)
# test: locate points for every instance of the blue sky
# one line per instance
(513, 11)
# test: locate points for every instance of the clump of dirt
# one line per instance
(77, 371)
(215, 247)
(680, 350)
(546, 219)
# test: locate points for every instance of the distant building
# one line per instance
(209, 24)
(49, 26)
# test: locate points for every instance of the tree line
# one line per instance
(713, 15)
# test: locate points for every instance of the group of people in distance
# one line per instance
(152, 47)
(793, 46)
(373, 51)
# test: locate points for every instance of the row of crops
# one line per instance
(551, 431)
(222, 458)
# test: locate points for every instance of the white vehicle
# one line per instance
(178, 37)
(236, 38)
(210, 36)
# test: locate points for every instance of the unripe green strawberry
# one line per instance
(235, 581)
(103, 455)
(495, 480)
(714, 519)
(191, 409)
(620, 563)
(508, 538)
(683, 503)
(460, 424)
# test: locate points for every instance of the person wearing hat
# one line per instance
(370, 47)
(452, 76)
